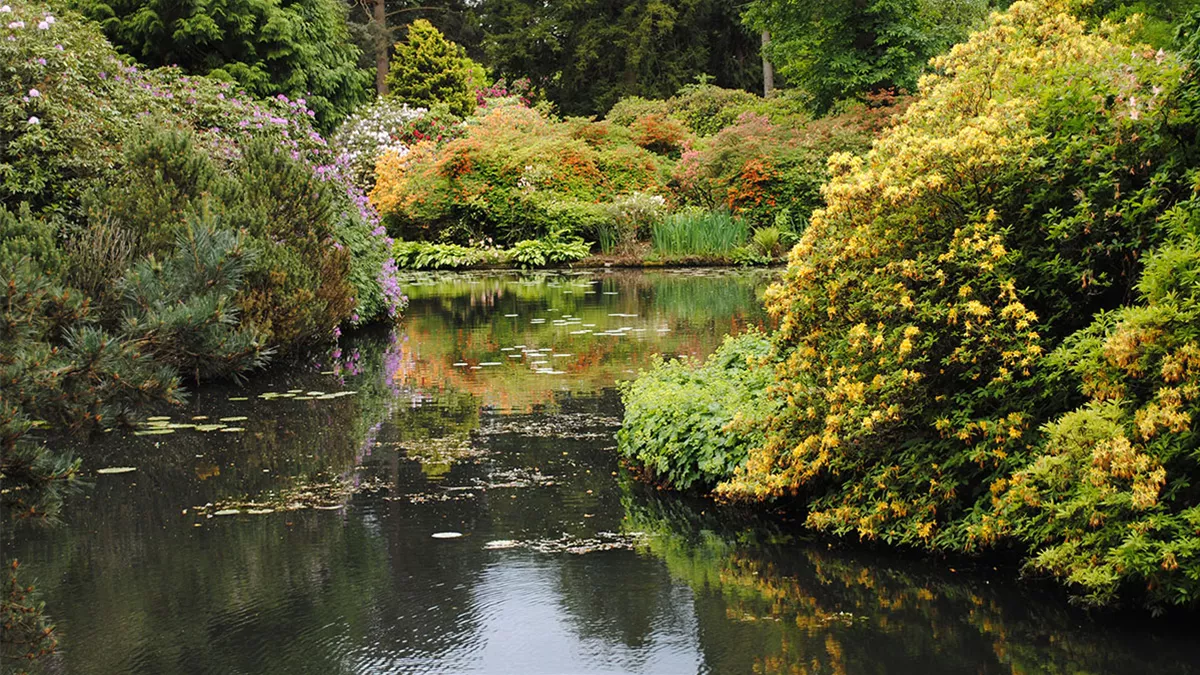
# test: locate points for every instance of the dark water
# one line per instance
(565, 564)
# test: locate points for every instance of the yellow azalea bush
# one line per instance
(1108, 501)
(1014, 200)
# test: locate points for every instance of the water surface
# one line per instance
(301, 539)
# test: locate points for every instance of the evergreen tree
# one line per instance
(427, 69)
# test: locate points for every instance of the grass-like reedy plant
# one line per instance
(694, 232)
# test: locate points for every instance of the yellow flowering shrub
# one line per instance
(1108, 501)
(1010, 203)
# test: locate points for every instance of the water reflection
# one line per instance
(565, 563)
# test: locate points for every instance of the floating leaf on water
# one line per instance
(501, 544)
(303, 398)
(234, 419)
(153, 432)
(159, 418)
(117, 469)
(199, 417)
(233, 429)
(295, 391)
(327, 397)
(259, 512)
(228, 512)
(238, 398)
(333, 507)
(181, 426)
(446, 535)
(208, 427)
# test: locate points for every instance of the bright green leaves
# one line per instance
(427, 70)
(690, 424)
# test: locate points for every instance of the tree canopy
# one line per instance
(588, 54)
(299, 48)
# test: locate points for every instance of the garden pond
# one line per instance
(446, 498)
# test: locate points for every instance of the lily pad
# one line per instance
(234, 419)
(153, 432)
(230, 430)
(160, 418)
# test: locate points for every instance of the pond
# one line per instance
(446, 498)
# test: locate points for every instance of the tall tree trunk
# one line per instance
(381, 48)
(768, 69)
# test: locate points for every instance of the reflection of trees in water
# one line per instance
(223, 598)
(804, 608)
(460, 317)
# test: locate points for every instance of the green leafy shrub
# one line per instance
(550, 250)
(690, 424)
(628, 219)
(767, 240)
(182, 311)
(755, 167)
(57, 367)
(424, 255)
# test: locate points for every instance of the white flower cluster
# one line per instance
(375, 129)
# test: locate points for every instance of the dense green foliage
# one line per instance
(299, 48)
(691, 424)
(423, 255)
(154, 227)
(831, 51)
(695, 232)
(1108, 500)
(427, 70)
(516, 172)
(587, 55)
